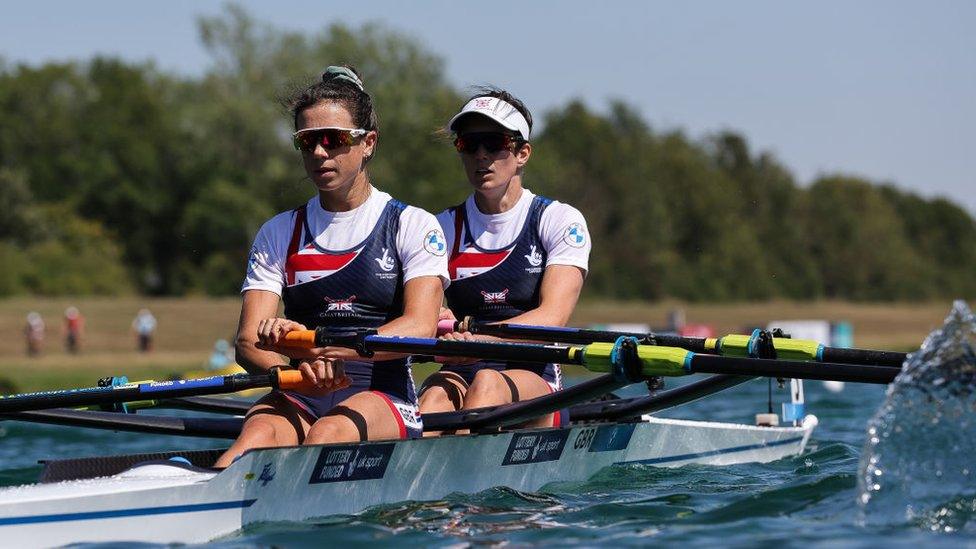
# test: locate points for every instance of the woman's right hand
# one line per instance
(271, 333)
(323, 376)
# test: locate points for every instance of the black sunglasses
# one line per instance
(330, 138)
(491, 141)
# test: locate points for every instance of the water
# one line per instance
(919, 462)
(813, 499)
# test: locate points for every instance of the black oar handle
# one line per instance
(864, 356)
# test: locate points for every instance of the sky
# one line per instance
(883, 90)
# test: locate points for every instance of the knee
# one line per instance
(328, 430)
(260, 432)
(488, 388)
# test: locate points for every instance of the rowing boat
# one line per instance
(172, 501)
(142, 498)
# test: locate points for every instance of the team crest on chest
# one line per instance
(339, 307)
(494, 298)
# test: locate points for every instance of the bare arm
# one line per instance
(561, 286)
(560, 290)
(258, 305)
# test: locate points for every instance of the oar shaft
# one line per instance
(155, 390)
(729, 345)
(653, 360)
(855, 373)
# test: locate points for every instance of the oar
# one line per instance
(730, 345)
(156, 390)
(654, 360)
(205, 427)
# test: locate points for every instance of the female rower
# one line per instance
(350, 256)
(515, 257)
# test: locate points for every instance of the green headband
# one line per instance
(342, 73)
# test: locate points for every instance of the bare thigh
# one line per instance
(363, 416)
(272, 421)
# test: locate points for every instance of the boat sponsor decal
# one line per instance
(216, 381)
(611, 438)
(351, 462)
(267, 474)
(536, 447)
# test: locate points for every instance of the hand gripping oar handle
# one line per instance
(154, 390)
(733, 345)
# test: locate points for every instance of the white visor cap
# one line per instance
(500, 111)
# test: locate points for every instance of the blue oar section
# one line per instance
(157, 386)
(125, 393)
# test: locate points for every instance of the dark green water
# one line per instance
(807, 500)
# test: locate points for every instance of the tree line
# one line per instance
(117, 177)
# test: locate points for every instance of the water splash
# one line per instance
(918, 466)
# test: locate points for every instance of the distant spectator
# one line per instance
(221, 356)
(34, 333)
(144, 325)
(74, 327)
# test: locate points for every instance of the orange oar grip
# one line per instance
(291, 379)
(302, 339)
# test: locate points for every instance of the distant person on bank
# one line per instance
(34, 333)
(74, 328)
(144, 326)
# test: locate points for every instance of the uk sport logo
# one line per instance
(495, 297)
(435, 243)
(575, 235)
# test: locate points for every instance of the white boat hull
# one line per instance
(165, 503)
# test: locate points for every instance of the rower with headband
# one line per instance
(350, 256)
(514, 257)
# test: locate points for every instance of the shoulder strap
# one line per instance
(296, 234)
(459, 213)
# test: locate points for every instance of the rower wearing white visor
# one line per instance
(514, 257)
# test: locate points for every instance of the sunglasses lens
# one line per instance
(492, 142)
(329, 138)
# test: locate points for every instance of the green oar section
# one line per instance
(733, 345)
